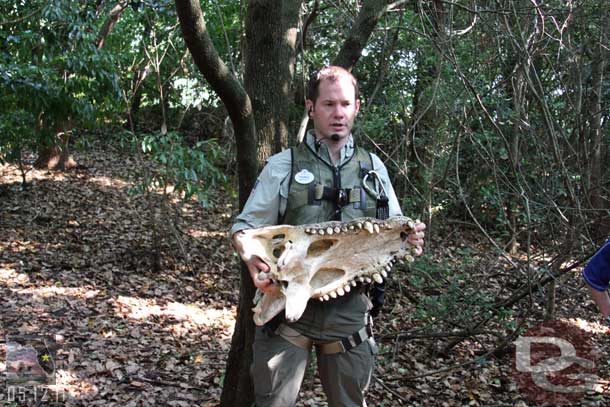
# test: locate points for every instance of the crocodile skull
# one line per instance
(322, 260)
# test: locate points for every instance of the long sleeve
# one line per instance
(381, 169)
(268, 195)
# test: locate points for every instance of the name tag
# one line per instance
(304, 177)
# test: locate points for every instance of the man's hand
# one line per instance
(416, 237)
(258, 269)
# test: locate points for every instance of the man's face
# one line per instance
(335, 109)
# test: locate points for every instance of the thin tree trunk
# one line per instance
(237, 387)
(56, 156)
(595, 116)
(359, 35)
(111, 20)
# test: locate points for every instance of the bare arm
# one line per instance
(602, 300)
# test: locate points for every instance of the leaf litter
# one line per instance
(77, 261)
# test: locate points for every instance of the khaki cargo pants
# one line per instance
(278, 365)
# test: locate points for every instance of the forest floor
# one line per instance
(142, 325)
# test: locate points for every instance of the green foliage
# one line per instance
(454, 293)
(192, 171)
(52, 75)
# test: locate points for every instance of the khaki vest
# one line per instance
(333, 193)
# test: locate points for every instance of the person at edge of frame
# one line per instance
(327, 157)
(597, 275)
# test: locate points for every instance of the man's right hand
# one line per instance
(258, 271)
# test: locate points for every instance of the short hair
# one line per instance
(331, 73)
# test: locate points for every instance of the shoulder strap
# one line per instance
(283, 216)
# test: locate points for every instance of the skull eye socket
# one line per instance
(278, 249)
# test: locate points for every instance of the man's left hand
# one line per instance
(416, 237)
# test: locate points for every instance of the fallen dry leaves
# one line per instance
(76, 261)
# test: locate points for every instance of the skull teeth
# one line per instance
(326, 297)
(333, 294)
(340, 291)
(369, 227)
(376, 228)
(377, 278)
(353, 283)
(347, 288)
(337, 229)
(384, 274)
(321, 232)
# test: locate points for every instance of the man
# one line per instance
(319, 180)
(597, 276)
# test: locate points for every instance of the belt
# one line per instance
(326, 348)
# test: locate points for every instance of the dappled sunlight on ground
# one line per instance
(11, 277)
(141, 309)
(205, 233)
(69, 383)
(109, 182)
(46, 292)
(591, 327)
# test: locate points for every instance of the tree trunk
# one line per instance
(359, 35)
(595, 116)
(426, 117)
(270, 54)
(237, 387)
(57, 156)
(108, 25)
(516, 90)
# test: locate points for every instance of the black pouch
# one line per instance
(383, 208)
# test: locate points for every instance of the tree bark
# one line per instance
(237, 387)
(228, 88)
(598, 67)
(56, 156)
(359, 35)
(270, 55)
(108, 25)
(426, 117)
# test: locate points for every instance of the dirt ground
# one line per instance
(138, 324)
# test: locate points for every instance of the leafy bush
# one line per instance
(191, 170)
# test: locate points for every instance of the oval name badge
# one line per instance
(304, 177)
